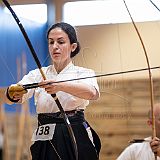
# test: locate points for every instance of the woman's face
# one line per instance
(60, 47)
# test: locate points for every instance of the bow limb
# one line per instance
(67, 122)
(154, 5)
(149, 74)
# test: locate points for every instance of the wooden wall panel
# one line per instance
(120, 114)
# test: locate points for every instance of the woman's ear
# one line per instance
(74, 46)
(149, 122)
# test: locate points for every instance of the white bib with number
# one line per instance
(44, 132)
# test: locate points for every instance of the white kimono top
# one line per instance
(138, 151)
(44, 102)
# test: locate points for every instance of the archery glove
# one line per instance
(13, 90)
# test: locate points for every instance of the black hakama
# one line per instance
(60, 147)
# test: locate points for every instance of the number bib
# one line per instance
(44, 132)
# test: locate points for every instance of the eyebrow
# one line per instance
(58, 38)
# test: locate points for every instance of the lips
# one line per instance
(56, 54)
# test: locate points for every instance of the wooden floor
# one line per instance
(119, 115)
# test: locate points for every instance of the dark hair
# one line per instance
(70, 31)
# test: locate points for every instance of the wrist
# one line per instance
(60, 86)
(158, 152)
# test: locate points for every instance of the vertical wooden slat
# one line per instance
(24, 124)
(3, 121)
(27, 111)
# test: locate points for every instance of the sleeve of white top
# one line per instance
(32, 77)
(127, 154)
(89, 81)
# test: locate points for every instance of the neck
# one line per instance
(60, 66)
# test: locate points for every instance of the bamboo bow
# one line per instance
(149, 74)
(67, 122)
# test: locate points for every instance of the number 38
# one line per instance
(43, 130)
